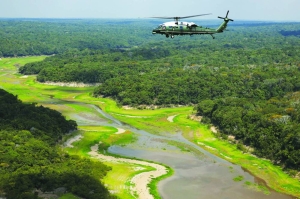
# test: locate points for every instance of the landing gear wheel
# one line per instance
(167, 36)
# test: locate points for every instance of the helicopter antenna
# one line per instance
(176, 19)
(226, 18)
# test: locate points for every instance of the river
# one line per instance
(195, 176)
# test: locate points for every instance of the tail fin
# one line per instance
(223, 26)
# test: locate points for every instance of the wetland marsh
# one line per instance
(203, 165)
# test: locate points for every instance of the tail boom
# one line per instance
(223, 26)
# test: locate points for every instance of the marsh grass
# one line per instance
(153, 184)
(257, 187)
(186, 148)
(94, 134)
(118, 179)
(68, 196)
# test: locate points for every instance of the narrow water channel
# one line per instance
(195, 176)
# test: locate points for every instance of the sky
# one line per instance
(261, 10)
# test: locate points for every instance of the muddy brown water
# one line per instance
(195, 176)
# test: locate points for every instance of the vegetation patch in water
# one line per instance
(257, 187)
(238, 178)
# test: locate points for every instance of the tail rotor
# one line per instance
(226, 18)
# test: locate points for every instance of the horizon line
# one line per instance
(140, 18)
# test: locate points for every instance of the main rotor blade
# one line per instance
(163, 17)
(194, 16)
(177, 18)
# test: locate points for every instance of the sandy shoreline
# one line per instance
(120, 131)
(139, 183)
(171, 118)
(71, 84)
(70, 141)
(131, 116)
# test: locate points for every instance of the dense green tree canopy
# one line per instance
(22, 37)
(43, 122)
(271, 126)
(30, 160)
(251, 60)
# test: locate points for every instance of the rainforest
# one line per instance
(230, 104)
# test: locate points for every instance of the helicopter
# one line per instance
(170, 29)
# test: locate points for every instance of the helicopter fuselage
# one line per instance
(182, 28)
(188, 28)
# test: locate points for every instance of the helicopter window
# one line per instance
(164, 27)
(170, 26)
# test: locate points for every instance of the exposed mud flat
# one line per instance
(120, 131)
(70, 141)
(140, 181)
(171, 118)
(71, 84)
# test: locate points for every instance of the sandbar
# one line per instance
(139, 183)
